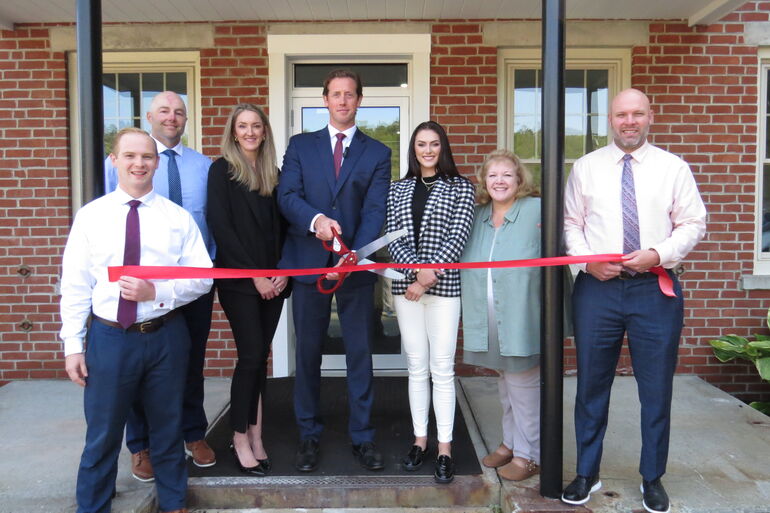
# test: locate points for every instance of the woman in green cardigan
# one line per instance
(501, 307)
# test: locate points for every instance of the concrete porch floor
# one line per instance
(719, 460)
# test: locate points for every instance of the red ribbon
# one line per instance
(169, 273)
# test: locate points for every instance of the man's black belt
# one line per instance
(141, 327)
(625, 275)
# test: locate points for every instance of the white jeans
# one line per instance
(429, 335)
(520, 398)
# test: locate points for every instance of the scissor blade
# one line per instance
(388, 273)
(376, 244)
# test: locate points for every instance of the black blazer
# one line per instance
(248, 228)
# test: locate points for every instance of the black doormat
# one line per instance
(391, 419)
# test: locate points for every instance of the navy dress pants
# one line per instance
(197, 316)
(123, 366)
(311, 309)
(605, 311)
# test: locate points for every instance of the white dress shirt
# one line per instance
(169, 237)
(672, 217)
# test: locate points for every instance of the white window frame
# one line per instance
(761, 262)
(134, 62)
(616, 60)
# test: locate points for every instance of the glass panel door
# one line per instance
(387, 120)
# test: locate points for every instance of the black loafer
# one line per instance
(654, 497)
(445, 469)
(368, 456)
(580, 489)
(256, 470)
(306, 459)
(414, 459)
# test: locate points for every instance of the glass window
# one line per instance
(127, 98)
(372, 74)
(764, 221)
(585, 113)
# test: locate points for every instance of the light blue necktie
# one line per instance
(174, 181)
(630, 214)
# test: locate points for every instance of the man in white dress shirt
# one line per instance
(182, 177)
(633, 198)
(135, 345)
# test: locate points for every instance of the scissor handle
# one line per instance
(349, 258)
(329, 245)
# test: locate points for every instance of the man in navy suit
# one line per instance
(336, 178)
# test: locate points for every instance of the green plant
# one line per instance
(730, 347)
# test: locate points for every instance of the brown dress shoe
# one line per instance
(497, 458)
(141, 468)
(513, 472)
(202, 454)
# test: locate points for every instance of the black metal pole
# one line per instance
(552, 333)
(89, 47)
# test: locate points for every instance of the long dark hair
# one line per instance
(446, 163)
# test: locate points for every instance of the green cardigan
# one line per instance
(516, 290)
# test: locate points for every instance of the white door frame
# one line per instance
(283, 51)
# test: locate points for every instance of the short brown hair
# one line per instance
(526, 183)
(343, 73)
(131, 130)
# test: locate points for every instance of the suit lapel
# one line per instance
(355, 151)
(326, 159)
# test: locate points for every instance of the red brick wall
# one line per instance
(34, 200)
(702, 81)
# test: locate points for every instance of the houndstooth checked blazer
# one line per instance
(446, 225)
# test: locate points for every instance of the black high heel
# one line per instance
(256, 470)
(265, 464)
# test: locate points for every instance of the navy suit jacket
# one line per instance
(356, 200)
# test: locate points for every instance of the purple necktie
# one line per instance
(338, 154)
(127, 308)
(630, 214)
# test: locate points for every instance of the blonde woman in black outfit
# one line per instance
(249, 231)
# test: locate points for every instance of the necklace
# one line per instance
(429, 185)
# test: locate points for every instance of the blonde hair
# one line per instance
(264, 178)
(131, 130)
(524, 178)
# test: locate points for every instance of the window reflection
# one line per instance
(383, 124)
(127, 98)
(585, 112)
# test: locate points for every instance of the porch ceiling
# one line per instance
(37, 11)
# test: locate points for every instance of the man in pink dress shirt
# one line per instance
(633, 198)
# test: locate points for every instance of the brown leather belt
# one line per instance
(141, 327)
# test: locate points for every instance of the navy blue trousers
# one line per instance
(603, 312)
(122, 367)
(311, 309)
(197, 316)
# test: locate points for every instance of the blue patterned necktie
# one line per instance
(630, 214)
(174, 181)
(131, 253)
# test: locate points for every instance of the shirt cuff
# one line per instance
(73, 345)
(666, 255)
(164, 291)
(312, 222)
